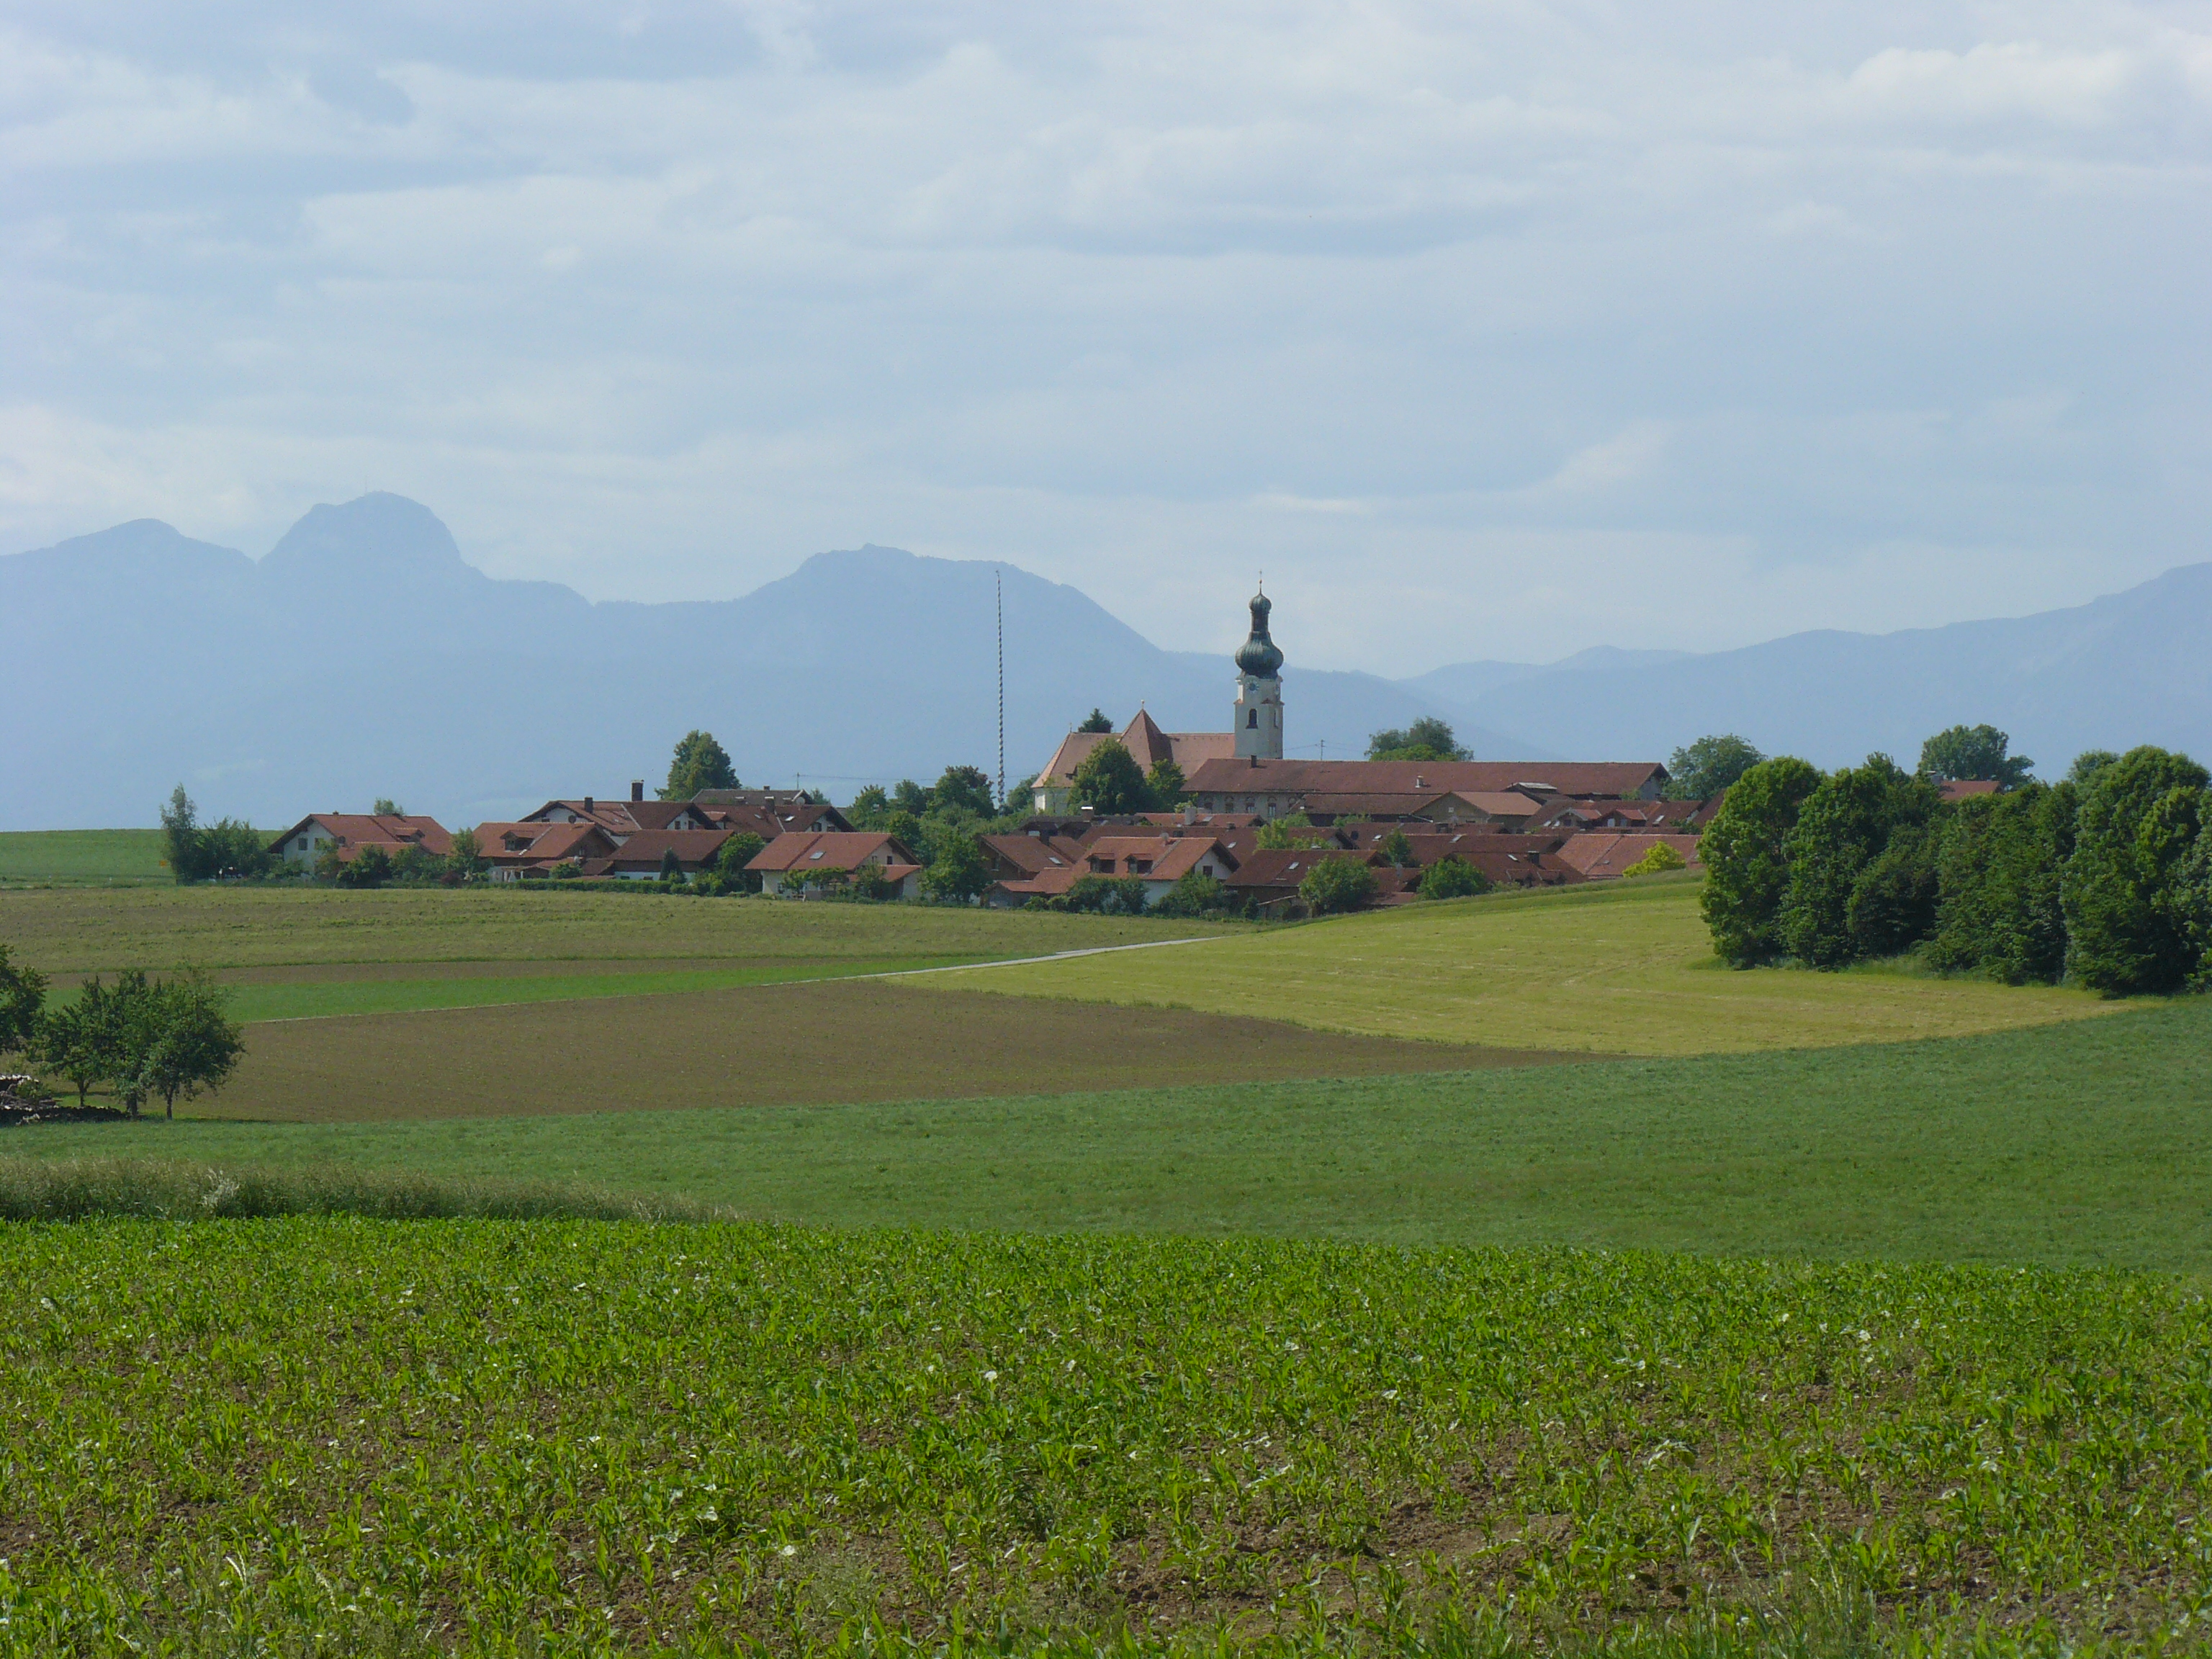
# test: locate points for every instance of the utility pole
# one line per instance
(999, 590)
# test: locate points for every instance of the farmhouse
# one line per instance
(350, 833)
(800, 863)
(767, 813)
(512, 852)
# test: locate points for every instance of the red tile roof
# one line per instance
(1296, 777)
(828, 850)
(1601, 854)
(391, 831)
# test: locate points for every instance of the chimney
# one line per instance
(588, 806)
(637, 789)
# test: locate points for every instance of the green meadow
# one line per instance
(81, 858)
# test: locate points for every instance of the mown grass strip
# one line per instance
(561, 1438)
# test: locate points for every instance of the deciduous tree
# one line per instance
(1167, 785)
(1452, 877)
(965, 789)
(1337, 884)
(22, 1000)
(961, 872)
(1109, 780)
(2127, 889)
(1973, 753)
(1702, 769)
(699, 762)
(1747, 869)
(192, 1046)
(1843, 828)
(1427, 739)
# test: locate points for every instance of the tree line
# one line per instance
(2103, 879)
(142, 1037)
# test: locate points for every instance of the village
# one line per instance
(1225, 807)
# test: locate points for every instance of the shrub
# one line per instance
(567, 869)
(1746, 871)
(1197, 894)
(413, 864)
(1337, 884)
(960, 872)
(1110, 896)
(2127, 891)
(1453, 876)
(1662, 858)
(370, 868)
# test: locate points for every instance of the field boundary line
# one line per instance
(819, 979)
(1024, 962)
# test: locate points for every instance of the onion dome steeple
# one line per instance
(1258, 656)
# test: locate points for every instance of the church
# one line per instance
(1256, 726)
(1242, 770)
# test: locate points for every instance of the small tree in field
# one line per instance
(192, 1044)
(22, 1000)
(1337, 884)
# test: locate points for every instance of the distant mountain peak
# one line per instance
(378, 533)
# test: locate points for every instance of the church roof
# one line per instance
(1258, 655)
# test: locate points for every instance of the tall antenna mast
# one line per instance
(999, 590)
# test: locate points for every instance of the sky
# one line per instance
(1485, 330)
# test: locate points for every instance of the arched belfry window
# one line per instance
(1252, 719)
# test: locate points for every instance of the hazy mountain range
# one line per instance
(364, 656)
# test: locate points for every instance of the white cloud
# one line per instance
(1524, 327)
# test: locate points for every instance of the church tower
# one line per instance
(1258, 717)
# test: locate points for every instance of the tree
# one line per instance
(1397, 851)
(699, 763)
(1998, 874)
(181, 849)
(961, 872)
(1452, 877)
(1843, 827)
(2127, 887)
(387, 807)
(2087, 764)
(1706, 767)
(1973, 753)
(22, 1000)
(1427, 739)
(1108, 782)
(193, 1044)
(1292, 829)
(231, 848)
(84, 1040)
(730, 862)
(869, 808)
(466, 861)
(370, 867)
(905, 828)
(965, 789)
(671, 867)
(910, 797)
(1336, 885)
(1746, 871)
(1893, 904)
(1095, 720)
(1167, 785)
(1661, 858)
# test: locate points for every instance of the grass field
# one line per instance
(67, 933)
(81, 858)
(558, 1438)
(1617, 967)
(2087, 1143)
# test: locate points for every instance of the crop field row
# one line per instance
(575, 1437)
(2079, 1144)
(1616, 968)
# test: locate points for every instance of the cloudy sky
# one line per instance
(1487, 329)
